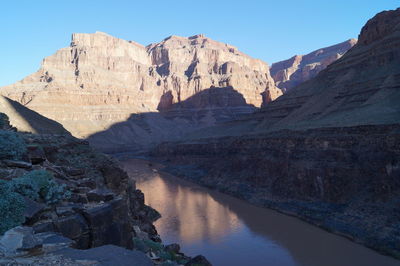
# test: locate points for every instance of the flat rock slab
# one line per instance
(19, 164)
(53, 241)
(17, 241)
(108, 255)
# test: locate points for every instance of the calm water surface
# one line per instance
(229, 231)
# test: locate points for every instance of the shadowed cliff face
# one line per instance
(143, 131)
(360, 88)
(327, 151)
(27, 120)
(100, 80)
(289, 73)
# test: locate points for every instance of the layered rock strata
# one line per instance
(328, 151)
(100, 80)
(360, 88)
(70, 198)
(345, 180)
(104, 204)
(289, 73)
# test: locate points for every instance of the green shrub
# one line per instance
(39, 184)
(12, 206)
(12, 146)
(140, 245)
(154, 246)
(25, 187)
(165, 255)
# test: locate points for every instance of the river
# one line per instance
(229, 231)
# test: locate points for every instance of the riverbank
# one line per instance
(61, 202)
(344, 180)
(230, 231)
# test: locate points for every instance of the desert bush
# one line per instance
(25, 186)
(39, 184)
(12, 146)
(12, 206)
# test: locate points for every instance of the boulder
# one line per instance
(64, 211)
(52, 241)
(36, 154)
(33, 210)
(18, 241)
(43, 226)
(109, 224)
(100, 195)
(75, 228)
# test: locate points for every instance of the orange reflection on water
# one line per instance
(194, 214)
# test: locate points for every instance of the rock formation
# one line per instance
(289, 73)
(100, 80)
(327, 152)
(70, 198)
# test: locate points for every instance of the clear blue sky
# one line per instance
(271, 30)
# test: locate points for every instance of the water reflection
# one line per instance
(229, 231)
(189, 211)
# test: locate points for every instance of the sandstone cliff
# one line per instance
(360, 88)
(289, 73)
(328, 151)
(100, 80)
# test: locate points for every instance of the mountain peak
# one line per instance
(381, 25)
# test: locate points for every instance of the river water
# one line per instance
(229, 231)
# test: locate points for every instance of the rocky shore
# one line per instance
(64, 203)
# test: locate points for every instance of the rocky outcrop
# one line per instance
(328, 151)
(345, 180)
(195, 63)
(100, 80)
(103, 205)
(289, 73)
(360, 88)
(70, 198)
(21, 246)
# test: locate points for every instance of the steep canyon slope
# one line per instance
(289, 73)
(99, 81)
(327, 151)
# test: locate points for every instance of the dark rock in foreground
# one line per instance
(108, 255)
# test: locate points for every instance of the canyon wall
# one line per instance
(99, 80)
(345, 180)
(327, 152)
(289, 73)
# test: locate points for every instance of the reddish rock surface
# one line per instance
(300, 68)
(100, 80)
(327, 151)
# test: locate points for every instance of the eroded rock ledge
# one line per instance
(73, 205)
(346, 180)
